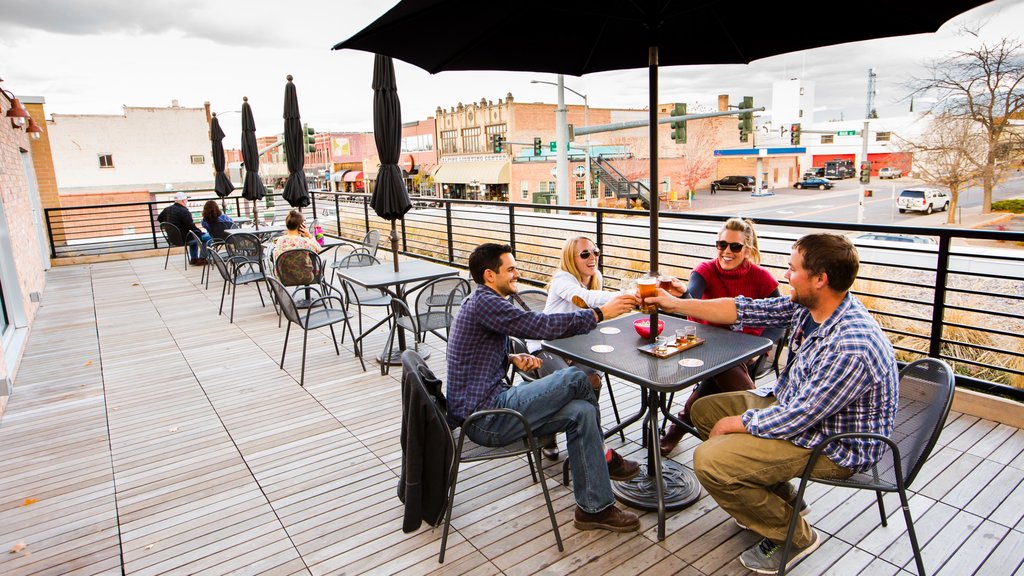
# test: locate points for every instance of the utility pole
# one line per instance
(562, 141)
(864, 143)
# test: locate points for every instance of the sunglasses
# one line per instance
(587, 253)
(734, 246)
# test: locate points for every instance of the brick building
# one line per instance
(22, 275)
(469, 167)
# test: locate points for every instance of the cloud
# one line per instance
(227, 23)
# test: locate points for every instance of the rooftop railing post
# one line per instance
(366, 214)
(599, 237)
(939, 302)
(49, 233)
(152, 226)
(405, 238)
(337, 215)
(512, 227)
(448, 228)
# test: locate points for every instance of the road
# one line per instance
(841, 203)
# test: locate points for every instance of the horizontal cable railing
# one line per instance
(952, 299)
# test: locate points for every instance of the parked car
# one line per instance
(817, 172)
(741, 183)
(903, 238)
(925, 200)
(890, 172)
(819, 183)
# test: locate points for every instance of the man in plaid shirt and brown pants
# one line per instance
(841, 377)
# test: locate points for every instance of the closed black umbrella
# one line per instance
(221, 183)
(390, 198)
(584, 36)
(252, 186)
(296, 191)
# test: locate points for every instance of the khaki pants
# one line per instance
(748, 476)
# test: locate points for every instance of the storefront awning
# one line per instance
(487, 172)
(352, 176)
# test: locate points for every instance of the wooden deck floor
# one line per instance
(148, 435)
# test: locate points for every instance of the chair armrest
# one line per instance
(508, 412)
(820, 448)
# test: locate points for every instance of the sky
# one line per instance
(96, 56)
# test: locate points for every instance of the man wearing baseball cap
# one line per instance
(179, 215)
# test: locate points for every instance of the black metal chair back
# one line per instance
(175, 238)
(531, 299)
(298, 267)
(327, 310)
(236, 271)
(415, 374)
(247, 246)
(926, 395)
(371, 241)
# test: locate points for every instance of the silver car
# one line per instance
(925, 200)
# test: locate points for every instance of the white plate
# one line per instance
(610, 330)
(691, 363)
(601, 348)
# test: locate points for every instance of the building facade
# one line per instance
(22, 271)
(143, 149)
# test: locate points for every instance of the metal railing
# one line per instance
(960, 299)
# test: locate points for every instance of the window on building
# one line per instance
(827, 138)
(524, 188)
(198, 159)
(494, 129)
(106, 160)
(449, 142)
(883, 136)
(608, 192)
(801, 90)
(471, 140)
(580, 192)
(801, 114)
(418, 143)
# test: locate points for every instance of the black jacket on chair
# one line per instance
(428, 453)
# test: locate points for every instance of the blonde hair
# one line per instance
(749, 235)
(569, 263)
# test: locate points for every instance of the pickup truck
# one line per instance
(889, 172)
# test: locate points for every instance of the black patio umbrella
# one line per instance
(584, 36)
(222, 183)
(296, 191)
(390, 198)
(252, 186)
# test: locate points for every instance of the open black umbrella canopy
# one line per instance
(252, 187)
(390, 198)
(296, 191)
(222, 184)
(583, 36)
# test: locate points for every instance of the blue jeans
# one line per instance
(560, 402)
(193, 247)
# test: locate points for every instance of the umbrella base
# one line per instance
(395, 358)
(681, 488)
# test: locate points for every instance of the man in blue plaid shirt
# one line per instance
(841, 377)
(478, 359)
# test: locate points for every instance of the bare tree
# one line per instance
(699, 156)
(983, 84)
(951, 154)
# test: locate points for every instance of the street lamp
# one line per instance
(586, 123)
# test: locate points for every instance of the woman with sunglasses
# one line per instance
(577, 276)
(736, 271)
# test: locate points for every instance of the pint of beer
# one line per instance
(647, 287)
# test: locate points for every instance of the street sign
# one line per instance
(579, 171)
(553, 146)
(846, 133)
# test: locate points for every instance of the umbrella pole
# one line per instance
(652, 56)
(394, 242)
(255, 215)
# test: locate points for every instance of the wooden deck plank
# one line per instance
(261, 475)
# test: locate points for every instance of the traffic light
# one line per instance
(865, 172)
(536, 146)
(310, 137)
(497, 143)
(746, 124)
(679, 127)
(794, 134)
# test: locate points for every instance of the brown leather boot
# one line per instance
(620, 469)
(611, 518)
(670, 439)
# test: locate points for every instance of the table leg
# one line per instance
(395, 359)
(672, 486)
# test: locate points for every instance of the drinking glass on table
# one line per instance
(647, 287)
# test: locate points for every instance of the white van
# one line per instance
(925, 200)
